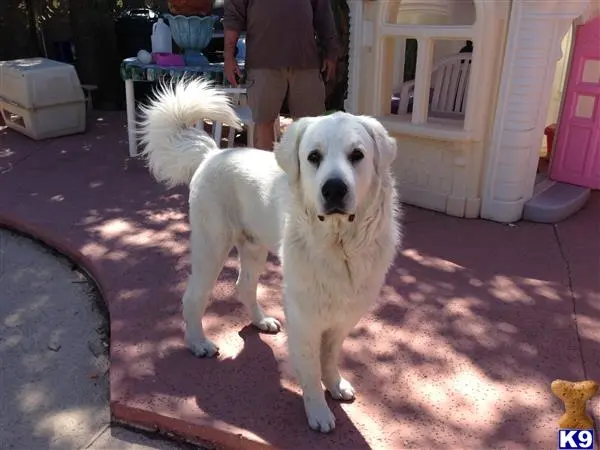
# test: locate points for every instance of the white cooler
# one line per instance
(41, 98)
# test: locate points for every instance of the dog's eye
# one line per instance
(314, 158)
(356, 156)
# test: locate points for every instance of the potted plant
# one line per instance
(190, 7)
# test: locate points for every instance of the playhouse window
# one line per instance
(431, 45)
(431, 80)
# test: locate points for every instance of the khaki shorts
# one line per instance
(267, 89)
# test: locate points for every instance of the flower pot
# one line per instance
(190, 7)
(192, 34)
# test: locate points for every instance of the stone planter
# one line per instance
(192, 34)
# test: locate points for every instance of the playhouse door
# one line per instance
(577, 156)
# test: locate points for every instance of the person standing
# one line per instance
(282, 57)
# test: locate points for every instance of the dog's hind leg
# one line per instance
(252, 262)
(208, 254)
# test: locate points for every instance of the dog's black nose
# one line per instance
(334, 190)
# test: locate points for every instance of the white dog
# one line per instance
(325, 201)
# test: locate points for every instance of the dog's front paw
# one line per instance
(342, 390)
(268, 325)
(202, 349)
(320, 418)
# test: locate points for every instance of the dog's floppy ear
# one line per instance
(385, 145)
(286, 150)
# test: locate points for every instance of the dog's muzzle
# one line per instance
(335, 192)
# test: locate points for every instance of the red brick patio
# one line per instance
(476, 320)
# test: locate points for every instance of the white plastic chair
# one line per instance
(240, 106)
(449, 87)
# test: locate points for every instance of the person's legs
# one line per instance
(306, 95)
(264, 135)
(266, 91)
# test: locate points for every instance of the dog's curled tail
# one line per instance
(173, 147)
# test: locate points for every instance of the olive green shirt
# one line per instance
(283, 33)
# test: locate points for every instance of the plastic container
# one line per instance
(162, 42)
(41, 98)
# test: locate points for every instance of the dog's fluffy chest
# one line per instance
(337, 268)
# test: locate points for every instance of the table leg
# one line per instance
(217, 132)
(131, 129)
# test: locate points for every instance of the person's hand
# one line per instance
(232, 71)
(328, 69)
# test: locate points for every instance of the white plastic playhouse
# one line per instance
(468, 86)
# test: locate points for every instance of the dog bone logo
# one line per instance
(574, 396)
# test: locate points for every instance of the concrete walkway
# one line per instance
(54, 356)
